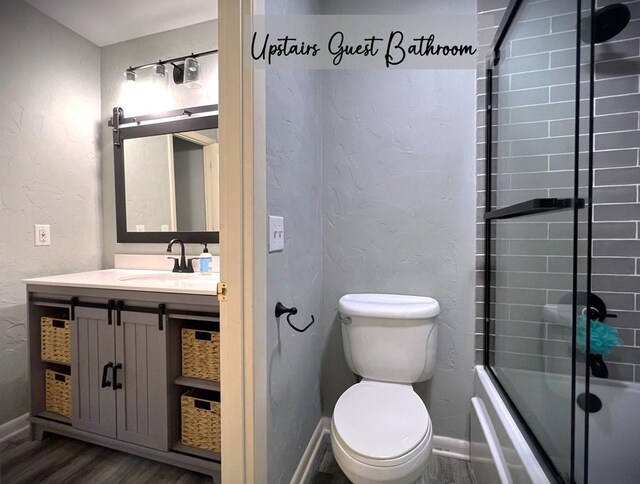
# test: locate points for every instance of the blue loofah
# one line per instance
(603, 337)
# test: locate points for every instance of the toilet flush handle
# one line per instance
(344, 319)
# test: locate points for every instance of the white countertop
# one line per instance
(136, 280)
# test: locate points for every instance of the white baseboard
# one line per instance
(448, 447)
(303, 472)
(13, 427)
(444, 446)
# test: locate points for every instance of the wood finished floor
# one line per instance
(58, 460)
(441, 470)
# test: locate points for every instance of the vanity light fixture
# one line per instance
(159, 70)
(191, 73)
(192, 69)
(186, 69)
(178, 72)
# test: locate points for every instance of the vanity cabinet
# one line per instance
(125, 368)
(120, 370)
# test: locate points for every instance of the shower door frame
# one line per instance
(538, 206)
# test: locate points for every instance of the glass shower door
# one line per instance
(537, 225)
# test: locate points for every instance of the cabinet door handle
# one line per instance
(105, 369)
(116, 385)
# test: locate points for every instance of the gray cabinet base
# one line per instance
(40, 425)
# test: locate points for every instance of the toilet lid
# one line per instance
(394, 306)
(381, 420)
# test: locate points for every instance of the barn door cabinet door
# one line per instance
(142, 402)
(93, 357)
(119, 367)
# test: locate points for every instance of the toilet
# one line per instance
(381, 430)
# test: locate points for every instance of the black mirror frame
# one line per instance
(203, 120)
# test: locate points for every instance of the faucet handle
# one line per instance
(176, 265)
(190, 264)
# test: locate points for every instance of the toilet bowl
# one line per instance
(381, 430)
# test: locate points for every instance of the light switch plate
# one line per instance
(276, 233)
(42, 234)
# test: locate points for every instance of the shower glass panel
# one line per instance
(538, 225)
(582, 236)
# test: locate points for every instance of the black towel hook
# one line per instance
(282, 309)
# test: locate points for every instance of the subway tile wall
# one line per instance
(535, 145)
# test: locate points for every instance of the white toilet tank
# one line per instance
(389, 337)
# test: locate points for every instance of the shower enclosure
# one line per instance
(562, 276)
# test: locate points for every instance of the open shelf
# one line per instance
(204, 454)
(55, 416)
(51, 304)
(51, 362)
(186, 381)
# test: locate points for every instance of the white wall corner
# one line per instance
(303, 472)
(13, 427)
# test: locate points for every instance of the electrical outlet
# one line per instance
(276, 234)
(42, 234)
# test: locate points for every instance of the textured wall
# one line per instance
(146, 96)
(49, 171)
(540, 165)
(294, 181)
(399, 188)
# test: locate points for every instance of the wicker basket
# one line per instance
(201, 354)
(55, 339)
(201, 420)
(58, 389)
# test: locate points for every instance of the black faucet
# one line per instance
(183, 265)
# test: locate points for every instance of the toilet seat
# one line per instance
(381, 424)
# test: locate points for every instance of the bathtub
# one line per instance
(500, 452)
(614, 434)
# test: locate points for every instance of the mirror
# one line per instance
(171, 182)
(166, 178)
